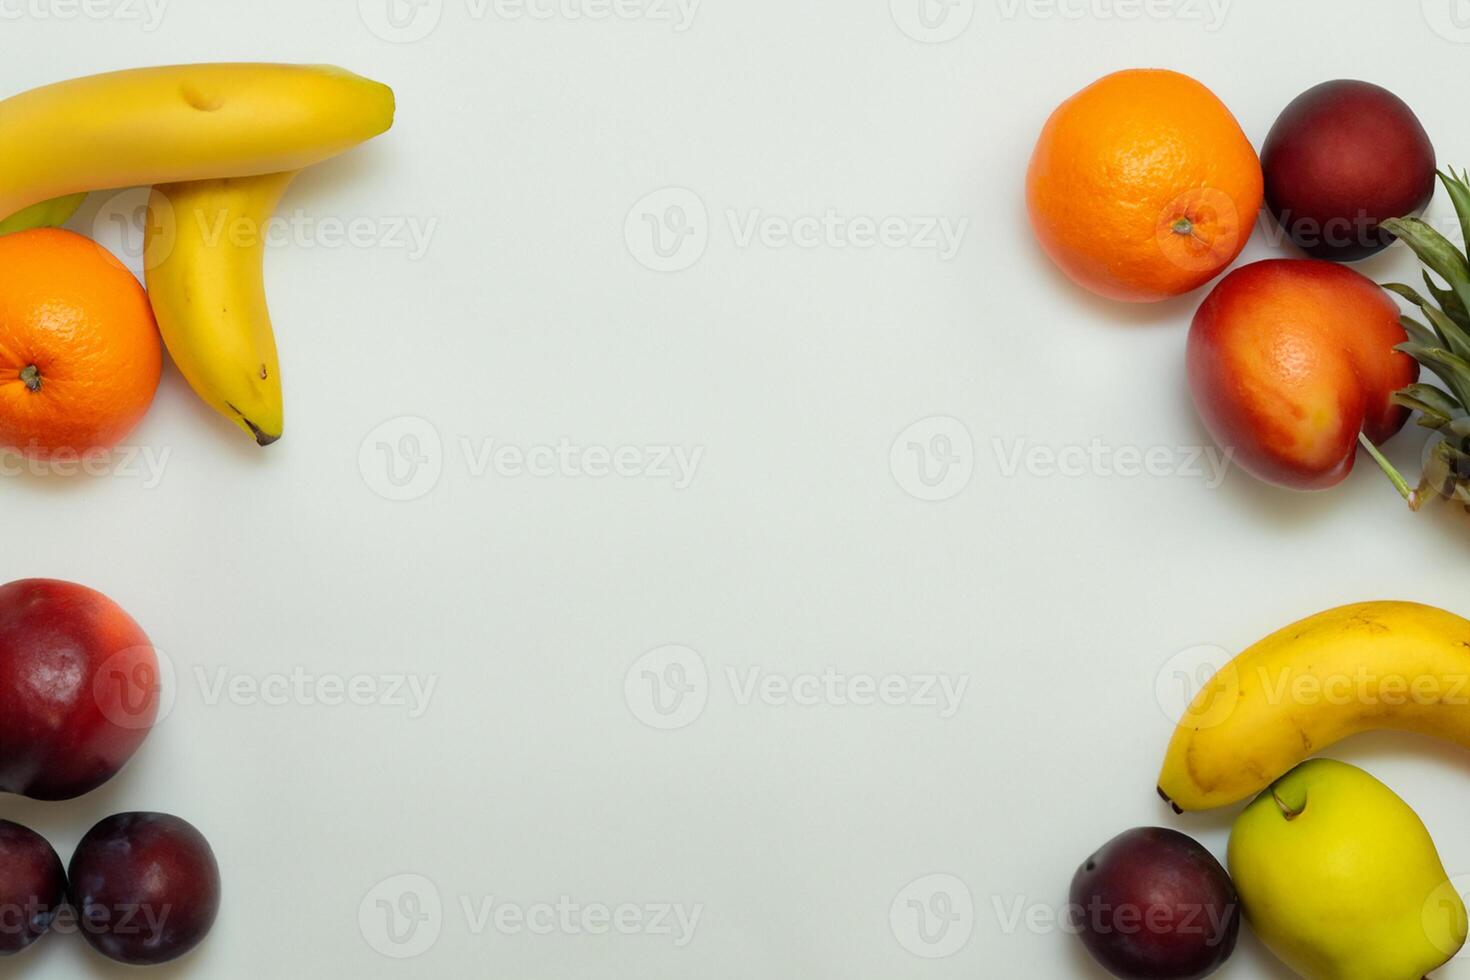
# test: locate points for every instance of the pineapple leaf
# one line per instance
(1449, 301)
(1418, 332)
(1454, 337)
(1453, 369)
(1435, 251)
(1459, 192)
(1436, 409)
(1451, 334)
(1407, 292)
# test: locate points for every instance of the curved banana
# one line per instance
(204, 258)
(188, 122)
(1376, 665)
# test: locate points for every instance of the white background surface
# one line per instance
(524, 144)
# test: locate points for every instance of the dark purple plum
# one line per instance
(32, 887)
(1153, 904)
(1343, 157)
(145, 887)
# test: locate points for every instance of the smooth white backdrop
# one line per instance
(766, 266)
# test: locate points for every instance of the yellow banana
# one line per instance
(189, 122)
(1376, 665)
(204, 259)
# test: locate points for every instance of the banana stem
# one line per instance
(1397, 478)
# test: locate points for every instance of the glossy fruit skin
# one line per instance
(146, 887)
(1153, 904)
(1288, 360)
(1142, 186)
(78, 689)
(1343, 157)
(80, 355)
(32, 887)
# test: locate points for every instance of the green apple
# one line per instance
(48, 214)
(1339, 877)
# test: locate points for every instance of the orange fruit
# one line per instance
(80, 354)
(1143, 186)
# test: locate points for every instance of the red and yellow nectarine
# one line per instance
(1289, 360)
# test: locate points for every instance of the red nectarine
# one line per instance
(1343, 157)
(1289, 360)
(78, 689)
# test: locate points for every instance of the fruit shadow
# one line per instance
(93, 964)
(1177, 312)
(1290, 510)
(1083, 965)
(1380, 266)
(1285, 509)
(97, 965)
(317, 183)
(180, 398)
(1371, 750)
(1449, 517)
(44, 816)
(58, 479)
(1267, 967)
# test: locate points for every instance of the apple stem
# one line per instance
(1397, 478)
(1287, 811)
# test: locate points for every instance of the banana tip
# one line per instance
(1165, 797)
(262, 437)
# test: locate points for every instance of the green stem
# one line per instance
(32, 377)
(1400, 484)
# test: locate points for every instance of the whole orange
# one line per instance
(80, 354)
(1142, 186)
